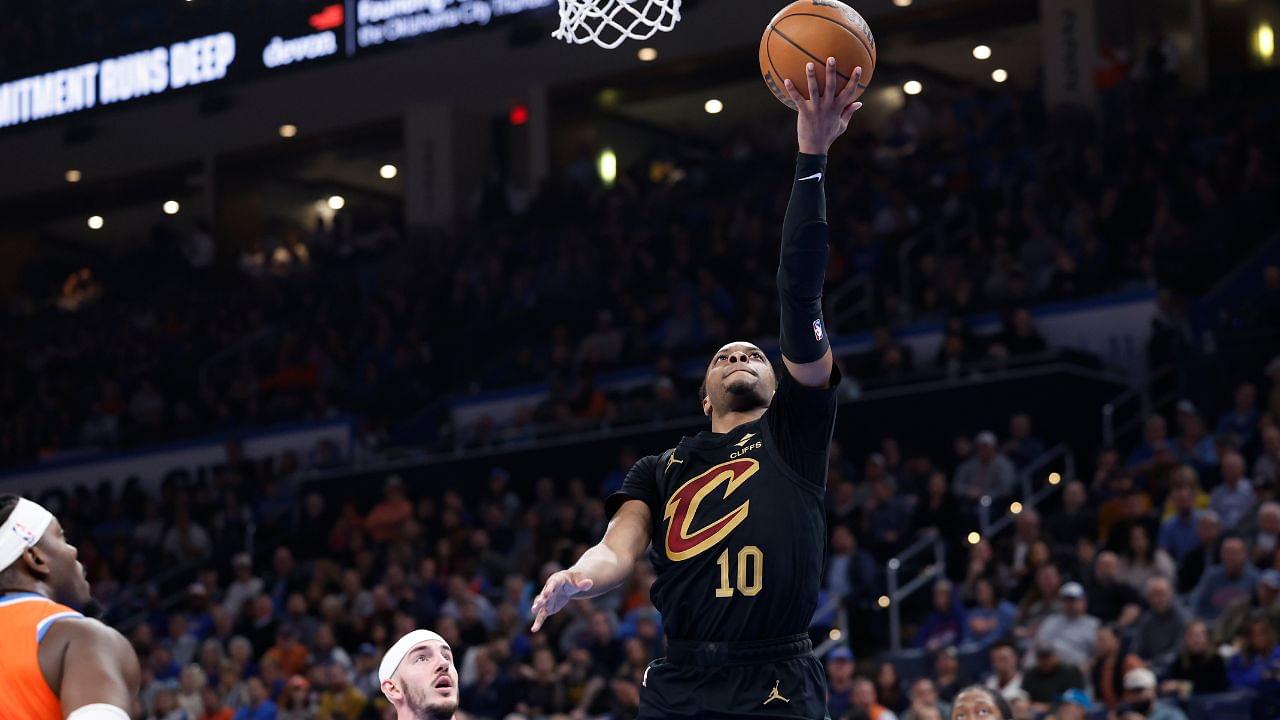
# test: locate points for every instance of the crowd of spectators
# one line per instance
(1130, 587)
(667, 263)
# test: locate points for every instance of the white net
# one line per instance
(608, 23)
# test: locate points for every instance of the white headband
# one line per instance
(392, 659)
(22, 529)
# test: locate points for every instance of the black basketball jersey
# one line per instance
(739, 525)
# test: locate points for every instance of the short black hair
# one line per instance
(1006, 711)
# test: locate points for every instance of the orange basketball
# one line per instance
(810, 31)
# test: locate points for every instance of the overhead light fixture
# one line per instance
(912, 87)
(171, 207)
(288, 131)
(902, 3)
(647, 54)
(999, 75)
(713, 107)
(95, 222)
(607, 164)
(73, 176)
(981, 52)
(387, 171)
(337, 202)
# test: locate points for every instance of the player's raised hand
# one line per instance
(560, 588)
(824, 116)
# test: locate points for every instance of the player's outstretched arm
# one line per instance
(100, 673)
(802, 264)
(600, 569)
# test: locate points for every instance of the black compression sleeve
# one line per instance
(802, 264)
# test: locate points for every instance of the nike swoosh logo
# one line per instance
(815, 176)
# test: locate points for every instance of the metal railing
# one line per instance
(897, 593)
(833, 605)
(1117, 423)
(1031, 497)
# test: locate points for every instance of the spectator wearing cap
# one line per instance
(988, 472)
(1194, 444)
(1140, 697)
(1074, 704)
(1072, 632)
(1241, 420)
(1233, 578)
(1178, 532)
(1233, 500)
(1264, 600)
(1199, 669)
(1266, 469)
(384, 521)
(1049, 676)
(1158, 634)
(1005, 677)
(839, 681)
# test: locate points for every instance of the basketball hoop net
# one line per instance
(608, 23)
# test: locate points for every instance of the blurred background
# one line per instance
(327, 320)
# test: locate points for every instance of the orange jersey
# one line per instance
(24, 620)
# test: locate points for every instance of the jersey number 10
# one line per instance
(750, 565)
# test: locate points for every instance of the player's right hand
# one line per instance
(561, 587)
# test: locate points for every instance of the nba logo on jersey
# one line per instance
(817, 329)
(28, 537)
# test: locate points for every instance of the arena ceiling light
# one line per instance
(95, 222)
(337, 202)
(912, 87)
(902, 3)
(388, 171)
(288, 131)
(1265, 40)
(647, 54)
(982, 52)
(999, 75)
(73, 175)
(171, 207)
(713, 107)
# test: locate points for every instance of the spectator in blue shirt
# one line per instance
(260, 706)
(1178, 533)
(1223, 584)
(945, 625)
(1242, 419)
(991, 618)
(1257, 666)
(1233, 500)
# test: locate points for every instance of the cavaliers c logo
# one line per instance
(683, 544)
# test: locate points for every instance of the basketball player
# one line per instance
(979, 702)
(419, 678)
(54, 662)
(735, 515)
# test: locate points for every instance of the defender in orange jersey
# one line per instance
(54, 662)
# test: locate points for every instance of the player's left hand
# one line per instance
(823, 118)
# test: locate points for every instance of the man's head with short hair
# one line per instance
(864, 693)
(1234, 554)
(1232, 467)
(1004, 660)
(1159, 594)
(739, 378)
(1107, 566)
(48, 564)
(419, 678)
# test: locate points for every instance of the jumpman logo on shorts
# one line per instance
(774, 694)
